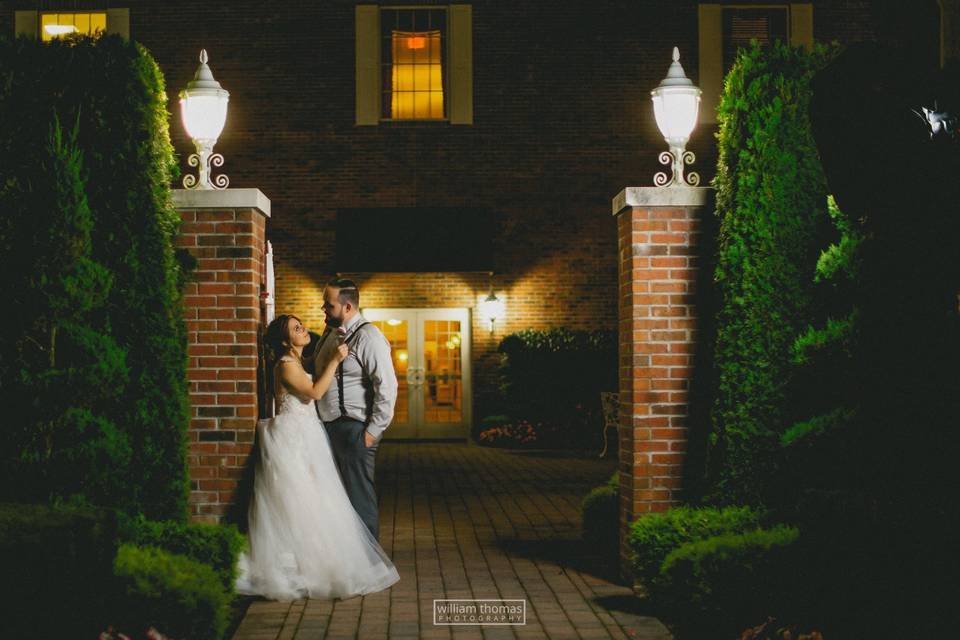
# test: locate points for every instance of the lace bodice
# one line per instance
(289, 402)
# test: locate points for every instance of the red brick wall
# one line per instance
(562, 121)
(658, 325)
(222, 309)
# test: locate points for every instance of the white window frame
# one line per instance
(710, 21)
(459, 71)
(27, 23)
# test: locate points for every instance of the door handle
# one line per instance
(415, 377)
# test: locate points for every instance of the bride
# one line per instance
(306, 540)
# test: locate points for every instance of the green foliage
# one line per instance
(770, 197)
(840, 263)
(532, 388)
(175, 594)
(601, 519)
(655, 535)
(58, 370)
(216, 545)
(725, 583)
(614, 481)
(56, 575)
(113, 90)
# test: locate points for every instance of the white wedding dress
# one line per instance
(305, 538)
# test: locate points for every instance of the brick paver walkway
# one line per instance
(463, 521)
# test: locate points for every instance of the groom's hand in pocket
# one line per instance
(368, 439)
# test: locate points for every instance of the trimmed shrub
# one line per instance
(216, 545)
(601, 517)
(531, 388)
(114, 91)
(770, 198)
(723, 584)
(178, 596)
(655, 535)
(56, 578)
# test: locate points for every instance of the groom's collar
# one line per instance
(352, 322)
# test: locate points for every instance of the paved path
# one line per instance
(463, 521)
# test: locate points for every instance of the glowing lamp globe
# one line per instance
(203, 109)
(676, 104)
(492, 309)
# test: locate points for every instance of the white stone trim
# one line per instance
(661, 197)
(221, 199)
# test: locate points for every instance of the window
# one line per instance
(48, 25)
(56, 25)
(741, 25)
(726, 27)
(414, 63)
(412, 59)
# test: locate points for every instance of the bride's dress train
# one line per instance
(306, 540)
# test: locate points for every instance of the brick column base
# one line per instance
(224, 231)
(658, 234)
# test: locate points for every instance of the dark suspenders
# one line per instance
(343, 407)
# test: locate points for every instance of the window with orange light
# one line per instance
(57, 25)
(413, 63)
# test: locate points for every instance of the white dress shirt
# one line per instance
(369, 381)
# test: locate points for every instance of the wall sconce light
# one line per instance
(203, 107)
(492, 308)
(676, 103)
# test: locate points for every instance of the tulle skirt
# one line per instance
(305, 538)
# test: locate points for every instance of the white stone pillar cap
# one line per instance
(661, 197)
(221, 199)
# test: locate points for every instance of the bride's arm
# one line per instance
(291, 373)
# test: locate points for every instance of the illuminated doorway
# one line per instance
(431, 355)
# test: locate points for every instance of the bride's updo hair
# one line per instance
(277, 337)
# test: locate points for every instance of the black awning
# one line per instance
(414, 239)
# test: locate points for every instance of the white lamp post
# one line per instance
(676, 103)
(203, 106)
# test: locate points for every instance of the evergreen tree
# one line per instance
(770, 199)
(58, 372)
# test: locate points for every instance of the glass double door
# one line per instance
(431, 355)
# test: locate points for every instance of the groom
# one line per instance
(359, 407)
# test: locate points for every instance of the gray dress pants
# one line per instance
(356, 463)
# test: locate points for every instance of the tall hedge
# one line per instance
(114, 90)
(58, 370)
(771, 195)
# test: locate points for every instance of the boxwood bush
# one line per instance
(726, 583)
(654, 536)
(218, 546)
(178, 596)
(56, 578)
(601, 517)
(568, 404)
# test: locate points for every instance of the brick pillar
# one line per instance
(224, 231)
(658, 230)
